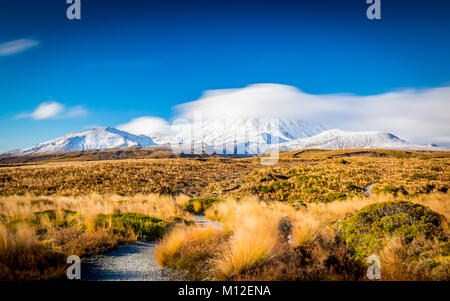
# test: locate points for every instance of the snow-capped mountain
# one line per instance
(338, 139)
(245, 134)
(229, 137)
(97, 138)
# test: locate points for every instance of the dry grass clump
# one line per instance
(251, 246)
(22, 257)
(170, 245)
(190, 249)
(212, 254)
(420, 260)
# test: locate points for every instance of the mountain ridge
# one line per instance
(339, 139)
(239, 137)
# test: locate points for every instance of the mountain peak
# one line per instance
(339, 139)
(96, 138)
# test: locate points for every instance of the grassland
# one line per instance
(338, 175)
(151, 152)
(193, 177)
(295, 220)
(325, 241)
(305, 177)
(37, 233)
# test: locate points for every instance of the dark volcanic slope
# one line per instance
(152, 152)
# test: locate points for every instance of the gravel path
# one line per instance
(368, 189)
(134, 262)
(202, 221)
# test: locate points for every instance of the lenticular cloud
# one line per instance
(417, 115)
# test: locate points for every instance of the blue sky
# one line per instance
(126, 59)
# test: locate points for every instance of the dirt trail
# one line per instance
(201, 220)
(136, 262)
(368, 189)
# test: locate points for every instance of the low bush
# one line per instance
(199, 205)
(334, 196)
(368, 230)
(144, 226)
(410, 239)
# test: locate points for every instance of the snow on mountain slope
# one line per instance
(230, 137)
(97, 138)
(338, 139)
(241, 132)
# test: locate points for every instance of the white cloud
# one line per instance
(419, 116)
(147, 125)
(17, 46)
(47, 110)
(54, 109)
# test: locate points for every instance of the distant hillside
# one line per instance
(345, 153)
(151, 152)
(161, 152)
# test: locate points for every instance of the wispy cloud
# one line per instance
(17, 46)
(56, 110)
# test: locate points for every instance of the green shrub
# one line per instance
(391, 190)
(68, 218)
(311, 191)
(265, 189)
(418, 176)
(334, 196)
(147, 227)
(50, 214)
(281, 185)
(352, 187)
(370, 227)
(3, 218)
(199, 205)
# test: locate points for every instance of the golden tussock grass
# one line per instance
(127, 177)
(276, 241)
(251, 245)
(22, 207)
(38, 233)
(55, 206)
(329, 178)
(189, 249)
